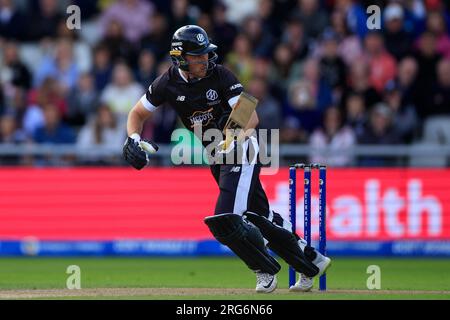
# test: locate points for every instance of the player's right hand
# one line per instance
(134, 154)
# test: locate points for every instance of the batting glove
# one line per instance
(135, 151)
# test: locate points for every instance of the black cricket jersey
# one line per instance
(202, 102)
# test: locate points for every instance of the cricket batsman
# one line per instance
(206, 94)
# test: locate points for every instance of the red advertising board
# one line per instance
(170, 203)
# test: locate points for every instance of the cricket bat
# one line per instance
(239, 117)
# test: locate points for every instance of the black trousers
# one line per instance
(241, 191)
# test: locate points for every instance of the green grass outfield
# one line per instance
(213, 278)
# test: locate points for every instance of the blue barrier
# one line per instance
(176, 248)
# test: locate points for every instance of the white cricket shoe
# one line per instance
(321, 262)
(305, 283)
(265, 282)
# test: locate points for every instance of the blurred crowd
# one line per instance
(321, 76)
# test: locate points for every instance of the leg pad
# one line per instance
(284, 244)
(245, 240)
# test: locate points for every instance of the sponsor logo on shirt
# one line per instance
(235, 86)
(211, 95)
(201, 118)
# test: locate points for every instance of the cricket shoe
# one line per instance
(305, 283)
(265, 282)
(322, 262)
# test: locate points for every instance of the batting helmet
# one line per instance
(191, 40)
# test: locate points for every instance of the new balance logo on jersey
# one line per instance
(181, 98)
(235, 169)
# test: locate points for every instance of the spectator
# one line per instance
(146, 71)
(294, 37)
(269, 110)
(270, 23)
(397, 40)
(102, 131)
(436, 25)
(439, 100)
(17, 107)
(53, 131)
(61, 66)
(261, 39)
(356, 113)
(44, 22)
(404, 116)
(33, 118)
(102, 68)
(261, 69)
(179, 15)
(82, 101)
(332, 67)
(240, 60)
(309, 97)
(427, 58)
(157, 40)
(49, 92)
(407, 75)
(123, 92)
(132, 15)
(380, 131)
(292, 131)
(436, 125)
(382, 65)
(355, 16)
(313, 18)
(414, 16)
(119, 47)
(350, 49)
(9, 133)
(14, 72)
(358, 82)
(12, 21)
(330, 144)
(224, 32)
(284, 69)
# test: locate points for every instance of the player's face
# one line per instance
(198, 65)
